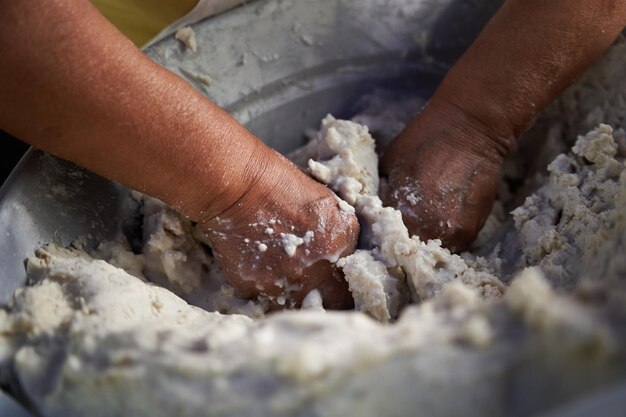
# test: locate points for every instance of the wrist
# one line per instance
(232, 179)
(479, 132)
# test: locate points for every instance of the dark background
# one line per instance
(11, 150)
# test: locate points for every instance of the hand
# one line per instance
(282, 237)
(443, 169)
(442, 174)
(150, 130)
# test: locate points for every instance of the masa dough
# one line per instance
(148, 325)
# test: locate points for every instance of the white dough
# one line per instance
(350, 164)
(374, 290)
(291, 242)
(86, 332)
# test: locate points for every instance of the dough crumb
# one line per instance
(290, 243)
(188, 38)
(539, 304)
(313, 301)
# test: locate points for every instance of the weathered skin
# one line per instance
(451, 153)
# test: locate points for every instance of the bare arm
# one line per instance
(72, 85)
(452, 151)
(528, 54)
(77, 88)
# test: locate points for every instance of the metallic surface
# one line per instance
(278, 66)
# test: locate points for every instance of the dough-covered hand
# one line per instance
(282, 237)
(442, 173)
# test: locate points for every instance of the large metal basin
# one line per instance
(278, 66)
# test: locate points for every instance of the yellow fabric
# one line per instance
(141, 20)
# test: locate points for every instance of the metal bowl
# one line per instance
(278, 66)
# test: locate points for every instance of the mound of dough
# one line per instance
(88, 338)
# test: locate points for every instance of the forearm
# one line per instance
(72, 85)
(525, 57)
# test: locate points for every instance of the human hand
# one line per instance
(443, 168)
(442, 174)
(282, 237)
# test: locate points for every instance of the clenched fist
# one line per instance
(280, 240)
(442, 174)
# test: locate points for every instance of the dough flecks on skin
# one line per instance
(290, 243)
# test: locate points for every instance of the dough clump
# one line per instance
(188, 38)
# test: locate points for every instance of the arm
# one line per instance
(72, 85)
(75, 87)
(524, 58)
